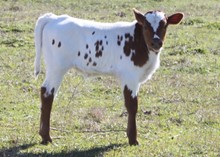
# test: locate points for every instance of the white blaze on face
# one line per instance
(154, 19)
(156, 36)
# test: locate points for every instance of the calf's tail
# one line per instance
(38, 34)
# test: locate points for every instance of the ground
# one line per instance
(179, 108)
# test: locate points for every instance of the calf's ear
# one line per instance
(139, 16)
(175, 18)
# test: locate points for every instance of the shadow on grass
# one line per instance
(96, 151)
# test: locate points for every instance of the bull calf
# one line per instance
(130, 51)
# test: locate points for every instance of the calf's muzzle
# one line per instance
(156, 44)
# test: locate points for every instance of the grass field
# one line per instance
(179, 108)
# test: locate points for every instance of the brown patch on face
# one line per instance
(155, 43)
(161, 30)
(136, 43)
(131, 104)
(148, 33)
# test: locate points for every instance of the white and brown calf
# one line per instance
(129, 51)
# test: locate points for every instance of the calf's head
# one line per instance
(154, 24)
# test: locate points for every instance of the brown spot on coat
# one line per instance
(87, 46)
(129, 45)
(59, 44)
(90, 60)
(93, 33)
(127, 35)
(119, 43)
(136, 43)
(86, 56)
(78, 53)
(94, 64)
(98, 43)
(53, 42)
(98, 54)
(120, 38)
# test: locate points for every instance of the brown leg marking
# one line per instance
(46, 105)
(131, 105)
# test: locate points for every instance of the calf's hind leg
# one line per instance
(46, 105)
(48, 90)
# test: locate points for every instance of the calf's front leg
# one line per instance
(131, 104)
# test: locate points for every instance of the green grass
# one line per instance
(179, 108)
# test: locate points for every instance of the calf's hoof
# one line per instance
(133, 143)
(45, 141)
